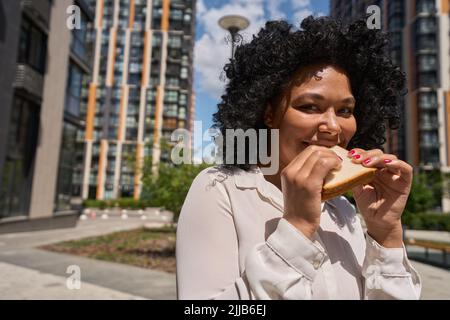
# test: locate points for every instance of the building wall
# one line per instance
(52, 109)
(10, 14)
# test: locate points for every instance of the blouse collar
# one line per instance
(254, 179)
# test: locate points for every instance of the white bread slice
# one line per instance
(349, 176)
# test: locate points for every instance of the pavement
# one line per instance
(31, 273)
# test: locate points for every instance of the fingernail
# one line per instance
(351, 152)
(340, 158)
(367, 160)
(387, 161)
(357, 156)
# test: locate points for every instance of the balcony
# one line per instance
(29, 80)
(428, 125)
(38, 9)
(426, 26)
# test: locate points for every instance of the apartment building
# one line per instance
(44, 65)
(141, 90)
(420, 44)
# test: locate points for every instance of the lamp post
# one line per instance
(234, 24)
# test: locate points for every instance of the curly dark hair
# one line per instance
(264, 66)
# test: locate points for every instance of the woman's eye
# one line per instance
(308, 107)
(346, 111)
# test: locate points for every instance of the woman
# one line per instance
(245, 235)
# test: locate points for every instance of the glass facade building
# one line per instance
(45, 70)
(419, 43)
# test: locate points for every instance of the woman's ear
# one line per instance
(269, 116)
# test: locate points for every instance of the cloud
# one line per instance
(296, 4)
(212, 51)
(301, 14)
(201, 8)
(273, 7)
(302, 9)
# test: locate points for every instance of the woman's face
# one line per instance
(317, 108)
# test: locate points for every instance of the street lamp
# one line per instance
(234, 24)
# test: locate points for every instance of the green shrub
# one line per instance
(92, 203)
(171, 186)
(427, 221)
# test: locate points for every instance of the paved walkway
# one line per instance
(30, 273)
(442, 236)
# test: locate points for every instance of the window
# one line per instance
(176, 14)
(427, 100)
(32, 46)
(135, 67)
(430, 138)
(75, 95)
(426, 25)
(170, 110)
(184, 73)
(151, 95)
(182, 113)
(395, 23)
(173, 82)
(20, 152)
(425, 6)
(426, 42)
(428, 79)
(170, 123)
(171, 96)
(183, 99)
(427, 62)
(66, 190)
(156, 40)
(173, 69)
(131, 122)
(174, 41)
(80, 46)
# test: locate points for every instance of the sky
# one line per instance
(211, 50)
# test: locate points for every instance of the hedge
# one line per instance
(123, 203)
(427, 221)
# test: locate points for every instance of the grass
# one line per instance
(146, 248)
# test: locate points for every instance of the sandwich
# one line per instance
(350, 175)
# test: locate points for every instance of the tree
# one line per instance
(170, 187)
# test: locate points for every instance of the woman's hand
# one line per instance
(383, 200)
(301, 182)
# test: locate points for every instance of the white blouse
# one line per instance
(232, 243)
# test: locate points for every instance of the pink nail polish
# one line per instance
(357, 156)
(367, 160)
(387, 161)
(351, 152)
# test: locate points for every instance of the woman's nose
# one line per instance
(329, 123)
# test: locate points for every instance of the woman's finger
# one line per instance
(404, 169)
(360, 155)
(378, 161)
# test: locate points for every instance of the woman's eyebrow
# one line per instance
(316, 96)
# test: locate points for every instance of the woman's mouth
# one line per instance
(327, 144)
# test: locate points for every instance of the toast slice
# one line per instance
(349, 176)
